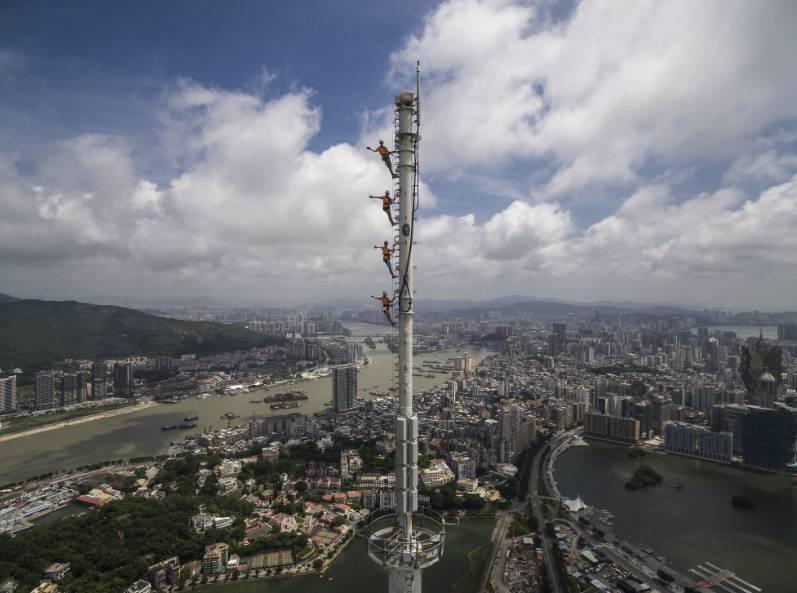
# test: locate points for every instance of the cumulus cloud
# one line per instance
(607, 91)
(243, 206)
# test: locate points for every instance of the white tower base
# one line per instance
(402, 580)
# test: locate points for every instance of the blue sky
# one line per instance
(600, 150)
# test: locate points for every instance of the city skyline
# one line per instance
(148, 159)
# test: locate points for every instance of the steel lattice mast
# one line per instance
(405, 539)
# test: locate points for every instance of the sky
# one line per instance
(604, 150)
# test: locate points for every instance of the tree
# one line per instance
(318, 563)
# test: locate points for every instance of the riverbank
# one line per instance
(691, 507)
(89, 417)
(354, 571)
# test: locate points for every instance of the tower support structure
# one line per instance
(406, 539)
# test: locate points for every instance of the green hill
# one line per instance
(35, 334)
(7, 298)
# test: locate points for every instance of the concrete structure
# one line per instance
(57, 571)
(99, 381)
(730, 418)
(344, 388)
(139, 587)
(69, 389)
(697, 441)
(8, 394)
(770, 437)
(437, 474)
(123, 379)
(215, 559)
(282, 425)
(404, 541)
(611, 428)
(44, 390)
(164, 573)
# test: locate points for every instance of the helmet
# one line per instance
(381, 142)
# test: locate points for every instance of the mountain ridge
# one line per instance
(35, 334)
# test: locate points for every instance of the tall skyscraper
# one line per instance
(69, 389)
(44, 390)
(558, 343)
(770, 436)
(344, 388)
(8, 394)
(123, 379)
(99, 378)
(660, 413)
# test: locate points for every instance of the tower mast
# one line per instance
(405, 539)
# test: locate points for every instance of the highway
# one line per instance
(499, 545)
(536, 505)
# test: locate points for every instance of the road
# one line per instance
(536, 506)
(499, 545)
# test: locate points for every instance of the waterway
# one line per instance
(139, 433)
(696, 523)
(353, 571)
(770, 332)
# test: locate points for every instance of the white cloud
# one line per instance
(613, 88)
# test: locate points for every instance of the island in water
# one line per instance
(643, 477)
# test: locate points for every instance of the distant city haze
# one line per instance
(642, 151)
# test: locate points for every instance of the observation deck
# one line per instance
(388, 547)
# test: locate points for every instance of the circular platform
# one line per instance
(388, 546)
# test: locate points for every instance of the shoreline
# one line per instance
(89, 418)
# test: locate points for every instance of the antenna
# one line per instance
(418, 96)
(406, 538)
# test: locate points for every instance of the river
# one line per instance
(139, 433)
(770, 332)
(353, 571)
(696, 523)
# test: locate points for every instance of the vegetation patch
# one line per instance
(643, 477)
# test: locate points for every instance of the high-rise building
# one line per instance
(463, 465)
(123, 379)
(730, 418)
(770, 437)
(660, 413)
(44, 390)
(281, 426)
(8, 394)
(765, 390)
(697, 441)
(611, 428)
(99, 381)
(344, 388)
(69, 389)
(215, 559)
(465, 364)
(164, 573)
(83, 381)
(642, 415)
(558, 344)
(787, 331)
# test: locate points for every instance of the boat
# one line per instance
(289, 396)
(191, 418)
(255, 401)
(187, 425)
(169, 427)
(284, 405)
(230, 416)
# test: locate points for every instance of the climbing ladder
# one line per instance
(399, 273)
(396, 193)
